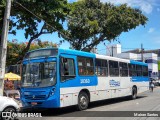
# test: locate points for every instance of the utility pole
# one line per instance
(112, 51)
(108, 50)
(142, 58)
(3, 45)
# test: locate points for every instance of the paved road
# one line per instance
(146, 101)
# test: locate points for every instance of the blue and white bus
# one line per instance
(54, 78)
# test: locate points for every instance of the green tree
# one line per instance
(28, 15)
(159, 65)
(15, 49)
(91, 22)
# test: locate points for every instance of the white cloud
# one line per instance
(71, 1)
(151, 30)
(144, 5)
(156, 40)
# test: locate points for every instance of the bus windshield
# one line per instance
(39, 74)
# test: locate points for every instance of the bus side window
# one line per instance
(67, 69)
(85, 66)
(101, 67)
(132, 70)
(113, 68)
(123, 69)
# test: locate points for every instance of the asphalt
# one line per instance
(145, 107)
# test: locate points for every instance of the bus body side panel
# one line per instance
(142, 82)
(69, 95)
(111, 87)
(66, 92)
(70, 89)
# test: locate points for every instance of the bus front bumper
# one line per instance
(48, 103)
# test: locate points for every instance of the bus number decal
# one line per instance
(84, 81)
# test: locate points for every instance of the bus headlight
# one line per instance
(52, 91)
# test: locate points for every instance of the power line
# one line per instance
(57, 29)
(128, 48)
(40, 18)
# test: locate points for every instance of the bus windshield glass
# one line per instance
(40, 74)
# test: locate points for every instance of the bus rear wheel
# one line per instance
(134, 93)
(83, 101)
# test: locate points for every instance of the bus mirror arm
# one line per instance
(63, 61)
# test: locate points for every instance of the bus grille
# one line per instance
(35, 97)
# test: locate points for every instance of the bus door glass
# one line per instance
(67, 68)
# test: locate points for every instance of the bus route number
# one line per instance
(85, 81)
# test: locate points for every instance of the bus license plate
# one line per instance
(33, 103)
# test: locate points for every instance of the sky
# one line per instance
(149, 35)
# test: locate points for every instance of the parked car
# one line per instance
(8, 105)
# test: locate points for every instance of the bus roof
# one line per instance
(87, 54)
(76, 52)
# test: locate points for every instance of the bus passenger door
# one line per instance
(67, 80)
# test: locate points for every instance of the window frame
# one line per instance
(139, 70)
(67, 77)
(85, 67)
(123, 69)
(101, 67)
(145, 71)
(132, 71)
(113, 68)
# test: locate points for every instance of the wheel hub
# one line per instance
(83, 101)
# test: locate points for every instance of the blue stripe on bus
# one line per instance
(139, 79)
(80, 82)
(138, 63)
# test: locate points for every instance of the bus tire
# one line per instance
(134, 93)
(83, 101)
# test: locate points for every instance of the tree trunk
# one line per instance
(28, 47)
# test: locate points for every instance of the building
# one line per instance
(150, 58)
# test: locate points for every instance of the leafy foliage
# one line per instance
(29, 15)
(52, 11)
(15, 49)
(91, 22)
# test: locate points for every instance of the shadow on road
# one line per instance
(112, 101)
(72, 109)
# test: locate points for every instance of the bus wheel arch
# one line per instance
(83, 99)
(134, 92)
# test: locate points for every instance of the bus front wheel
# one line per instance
(134, 93)
(83, 101)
